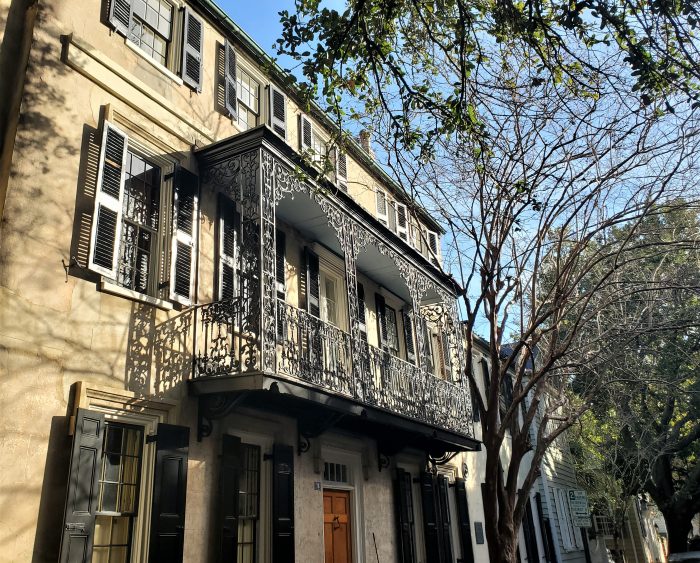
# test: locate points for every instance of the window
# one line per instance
(118, 493)
(569, 536)
(134, 205)
(248, 99)
(335, 472)
(151, 28)
(248, 503)
(392, 331)
(329, 299)
(149, 25)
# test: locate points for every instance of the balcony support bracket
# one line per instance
(213, 407)
(311, 427)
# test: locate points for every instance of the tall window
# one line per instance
(329, 300)
(248, 99)
(140, 223)
(151, 27)
(392, 331)
(248, 503)
(118, 493)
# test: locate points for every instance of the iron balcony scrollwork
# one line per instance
(319, 354)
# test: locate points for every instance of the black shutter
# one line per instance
(312, 283)
(192, 47)
(380, 303)
(120, 15)
(228, 249)
(445, 519)
(278, 112)
(184, 236)
(282, 504)
(305, 133)
(169, 494)
(431, 524)
(487, 377)
(546, 530)
(109, 198)
(465, 531)
(83, 488)
(530, 535)
(408, 337)
(403, 504)
(230, 96)
(228, 498)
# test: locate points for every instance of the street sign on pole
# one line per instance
(578, 503)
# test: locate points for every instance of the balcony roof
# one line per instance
(317, 411)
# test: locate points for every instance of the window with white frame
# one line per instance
(570, 536)
(151, 26)
(136, 211)
(248, 89)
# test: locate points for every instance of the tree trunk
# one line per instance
(679, 526)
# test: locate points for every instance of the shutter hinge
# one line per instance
(150, 438)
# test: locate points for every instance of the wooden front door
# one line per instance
(336, 526)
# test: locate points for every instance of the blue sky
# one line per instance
(259, 19)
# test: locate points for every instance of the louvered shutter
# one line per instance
(433, 247)
(391, 211)
(229, 229)
(533, 553)
(229, 498)
(230, 95)
(278, 112)
(486, 376)
(402, 221)
(83, 488)
(408, 337)
(109, 201)
(465, 531)
(312, 283)
(282, 504)
(380, 303)
(428, 344)
(341, 169)
(431, 526)
(382, 207)
(565, 527)
(184, 248)
(305, 133)
(192, 49)
(280, 275)
(169, 494)
(445, 519)
(120, 15)
(445, 358)
(403, 505)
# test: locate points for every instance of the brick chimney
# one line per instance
(366, 142)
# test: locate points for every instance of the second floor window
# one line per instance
(248, 99)
(151, 28)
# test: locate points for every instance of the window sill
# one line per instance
(171, 75)
(119, 291)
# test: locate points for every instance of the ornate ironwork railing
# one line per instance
(321, 354)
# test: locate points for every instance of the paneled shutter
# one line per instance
(408, 337)
(230, 95)
(361, 310)
(382, 207)
(280, 275)
(83, 488)
(192, 48)
(120, 15)
(465, 531)
(312, 283)
(402, 221)
(282, 504)
(431, 525)
(278, 112)
(109, 199)
(445, 518)
(229, 248)
(184, 248)
(169, 494)
(380, 303)
(341, 169)
(305, 133)
(229, 498)
(403, 504)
